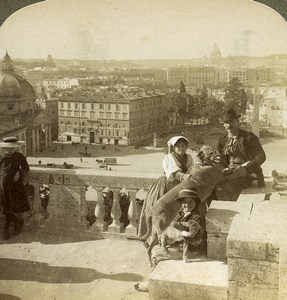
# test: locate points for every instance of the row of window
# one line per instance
(101, 132)
(99, 125)
(92, 106)
(93, 115)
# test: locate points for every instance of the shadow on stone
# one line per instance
(27, 237)
(8, 297)
(17, 269)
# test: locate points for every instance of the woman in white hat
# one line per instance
(14, 167)
(176, 166)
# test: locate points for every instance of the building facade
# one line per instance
(111, 118)
(18, 109)
(196, 76)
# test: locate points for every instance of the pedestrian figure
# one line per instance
(81, 159)
(13, 169)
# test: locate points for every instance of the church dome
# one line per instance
(216, 53)
(9, 85)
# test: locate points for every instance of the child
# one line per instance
(188, 225)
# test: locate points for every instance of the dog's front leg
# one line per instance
(153, 242)
(163, 240)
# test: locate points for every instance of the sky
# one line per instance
(137, 29)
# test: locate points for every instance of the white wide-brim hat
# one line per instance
(175, 139)
(11, 142)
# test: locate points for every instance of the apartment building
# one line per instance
(195, 76)
(128, 118)
(61, 83)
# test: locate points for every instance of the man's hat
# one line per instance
(188, 194)
(230, 115)
(11, 142)
(175, 139)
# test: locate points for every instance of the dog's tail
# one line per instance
(144, 237)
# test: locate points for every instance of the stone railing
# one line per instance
(76, 200)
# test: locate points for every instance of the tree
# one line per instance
(182, 104)
(182, 89)
(203, 98)
(235, 96)
(214, 110)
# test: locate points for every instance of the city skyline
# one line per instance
(132, 30)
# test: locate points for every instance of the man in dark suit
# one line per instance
(242, 156)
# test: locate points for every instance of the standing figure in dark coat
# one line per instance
(14, 167)
(243, 156)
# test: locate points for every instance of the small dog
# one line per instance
(187, 226)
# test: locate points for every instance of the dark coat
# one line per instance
(253, 153)
(251, 149)
(13, 196)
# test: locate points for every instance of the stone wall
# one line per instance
(69, 207)
(255, 254)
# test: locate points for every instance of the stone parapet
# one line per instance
(218, 221)
(76, 195)
(199, 279)
(255, 253)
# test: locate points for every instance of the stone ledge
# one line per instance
(221, 213)
(259, 235)
(198, 279)
(247, 291)
(218, 221)
(242, 271)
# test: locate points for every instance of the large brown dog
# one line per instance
(203, 179)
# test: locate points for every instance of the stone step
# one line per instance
(198, 279)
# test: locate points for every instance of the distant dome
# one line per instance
(9, 85)
(216, 53)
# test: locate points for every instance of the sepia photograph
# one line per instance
(143, 149)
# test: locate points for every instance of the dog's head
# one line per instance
(209, 156)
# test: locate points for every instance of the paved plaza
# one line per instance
(147, 160)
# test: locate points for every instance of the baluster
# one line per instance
(132, 228)
(124, 205)
(83, 208)
(140, 195)
(99, 225)
(91, 200)
(116, 226)
(36, 210)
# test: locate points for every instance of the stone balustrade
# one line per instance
(76, 197)
(248, 235)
